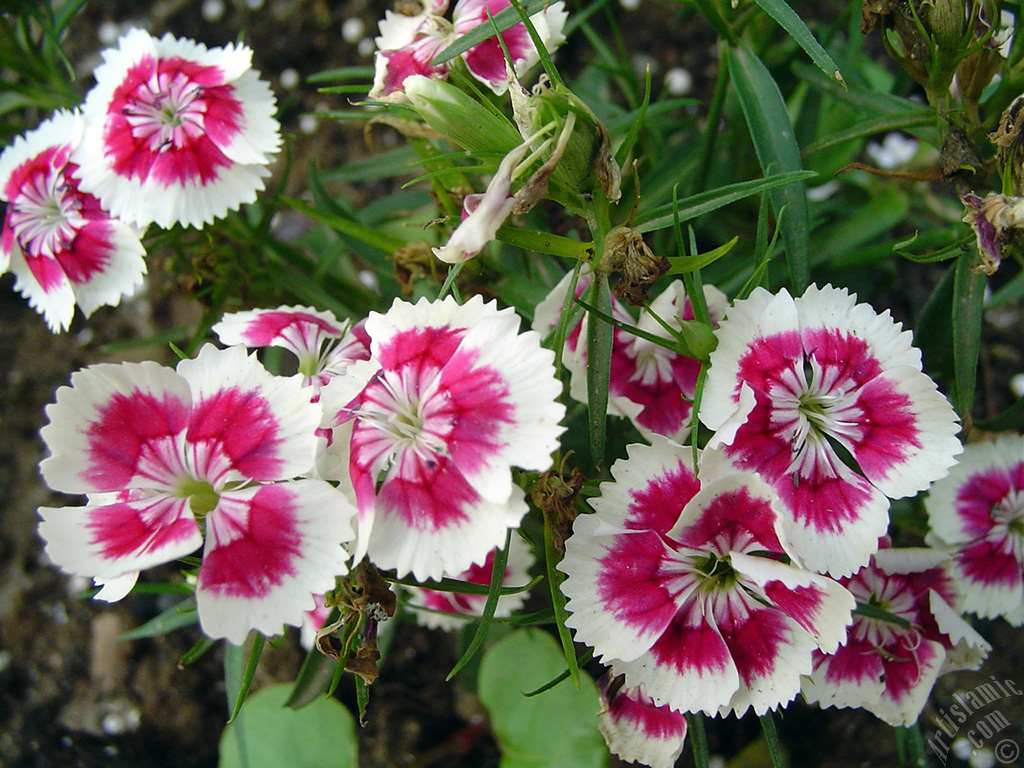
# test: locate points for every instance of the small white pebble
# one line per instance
(308, 124)
(983, 758)
(84, 336)
(289, 78)
(213, 10)
(1017, 385)
(5, 660)
(366, 46)
(369, 279)
(678, 81)
(254, 4)
(961, 748)
(630, 5)
(894, 151)
(822, 191)
(353, 29)
(716, 761)
(108, 32)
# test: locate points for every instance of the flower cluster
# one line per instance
(407, 45)
(172, 133)
(888, 665)
(212, 451)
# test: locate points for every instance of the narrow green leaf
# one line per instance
(544, 242)
(587, 655)
(681, 265)
(771, 737)
(555, 579)
(1012, 419)
(968, 305)
(197, 651)
(697, 205)
(371, 237)
(910, 746)
(312, 681)
(871, 127)
(239, 668)
(874, 612)
(698, 736)
(599, 365)
(181, 615)
(509, 17)
(497, 575)
(637, 123)
(777, 150)
(789, 21)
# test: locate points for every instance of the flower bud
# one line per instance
(458, 117)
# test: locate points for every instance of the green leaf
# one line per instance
(789, 21)
(497, 575)
(1012, 419)
(777, 150)
(239, 668)
(345, 226)
(871, 127)
(267, 734)
(600, 335)
(555, 729)
(968, 304)
(181, 615)
(694, 206)
(681, 265)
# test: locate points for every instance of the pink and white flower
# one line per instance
(797, 385)
(638, 731)
(176, 133)
(890, 668)
(678, 583)
(170, 458)
(650, 384)
(407, 44)
(451, 610)
(452, 398)
(63, 248)
(976, 514)
(324, 345)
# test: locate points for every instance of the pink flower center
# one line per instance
(46, 215)
(167, 110)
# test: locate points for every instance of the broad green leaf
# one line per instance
(841, 245)
(776, 148)
(267, 734)
(555, 729)
(789, 21)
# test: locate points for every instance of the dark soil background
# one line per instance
(72, 695)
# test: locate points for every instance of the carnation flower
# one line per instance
(825, 399)
(176, 133)
(324, 345)
(407, 44)
(63, 248)
(450, 610)
(890, 668)
(638, 731)
(976, 513)
(649, 384)
(171, 458)
(678, 583)
(452, 398)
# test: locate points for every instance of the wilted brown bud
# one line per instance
(626, 252)
(996, 221)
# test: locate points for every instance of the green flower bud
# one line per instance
(458, 117)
